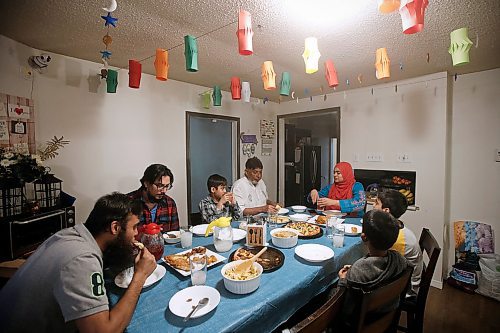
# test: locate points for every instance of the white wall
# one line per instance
(114, 137)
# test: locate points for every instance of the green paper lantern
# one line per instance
(460, 46)
(285, 84)
(112, 81)
(191, 53)
(217, 96)
(205, 98)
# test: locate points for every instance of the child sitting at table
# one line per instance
(218, 203)
(395, 203)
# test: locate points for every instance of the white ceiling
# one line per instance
(348, 31)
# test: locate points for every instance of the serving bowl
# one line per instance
(241, 286)
(299, 217)
(284, 242)
(299, 209)
(172, 240)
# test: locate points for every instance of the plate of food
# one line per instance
(124, 278)
(283, 211)
(172, 237)
(306, 230)
(184, 300)
(319, 220)
(352, 229)
(180, 261)
(270, 260)
(281, 219)
(333, 212)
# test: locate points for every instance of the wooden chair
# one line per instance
(415, 308)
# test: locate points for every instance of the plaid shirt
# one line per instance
(209, 211)
(166, 213)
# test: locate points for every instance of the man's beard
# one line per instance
(153, 199)
(119, 254)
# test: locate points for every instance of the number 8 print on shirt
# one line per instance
(97, 283)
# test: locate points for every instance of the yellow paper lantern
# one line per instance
(268, 75)
(388, 6)
(382, 64)
(311, 55)
(460, 46)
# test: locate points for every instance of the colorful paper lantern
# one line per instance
(191, 53)
(412, 15)
(112, 81)
(382, 64)
(388, 6)
(235, 88)
(161, 64)
(268, 75)
(245, 91)
(285, 84)
(245, 33)
(460, 46)
(311, 55)
(331, 74)
(205, 98)
(134, 74)
(217, 96)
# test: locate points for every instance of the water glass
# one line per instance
(338, 235)
(198, 265)
(331, 222)
(186, 237)
(273, 218)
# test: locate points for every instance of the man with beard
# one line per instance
(60, 288)
(157, 206)
(250, 191)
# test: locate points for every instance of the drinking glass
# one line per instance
(338, 235)
(273, 218)
(186, 237)
(198, 265)
(331, 222)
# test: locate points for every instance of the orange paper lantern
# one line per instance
(382, 64)
(388, 6)
(268, 75)
(134, 74)
(331, 74)
(245, 33)
(235, 88)
(161, 64)
(412, 15)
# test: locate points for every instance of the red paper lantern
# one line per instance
(331, 74)
(134, 74)
(235, 88)
(412, 15)
(245, 33)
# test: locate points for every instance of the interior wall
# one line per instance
(114, 137)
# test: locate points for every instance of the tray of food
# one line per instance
(306, 230)
(180, 261)
(270, 260)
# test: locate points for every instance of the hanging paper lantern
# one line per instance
(388, 6)
(331, 74)
(382, 64)
(245, 33)
(111, 81)
(191, 53)
(268, 75)
(206, 99)
(245, 91)
(311, 55)
(217, 96)
(235, 88)
(285, 84)
(412, 15)
(134, 74)
(161, 64)
(460, 46)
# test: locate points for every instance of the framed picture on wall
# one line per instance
(18, 127)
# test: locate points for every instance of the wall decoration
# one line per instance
(245, 91)
(205, 100)
(460, 46)
(267, 129)
(4, 130)
(266, 147)
(311, 55)
(161, 64)
(382, 64)
(18, 127)
(245, 33)
(112, 81)
(134, 74)
(388, 6)
(412, 15)
(217, 96)
(191, 53)
(268, 75)
(235, 88)
(19, 111)
(331, 74)
(285, 84)
(112, 7)
(17, 123)
(249, 142)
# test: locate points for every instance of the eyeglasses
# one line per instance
(161, 186)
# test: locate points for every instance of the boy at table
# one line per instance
(218, 203)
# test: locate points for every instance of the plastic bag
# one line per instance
(489, 277)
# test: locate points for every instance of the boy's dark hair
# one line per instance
(112, 207)
(214, 181)
(155, 171)
(253, 163)
(395, 201)
(381, 229)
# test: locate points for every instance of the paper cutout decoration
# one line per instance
(18, 111)
(245, 33)
(112, 6)
(161, 64)
(382, 64)
(217, 96)
(112, 81)
(205, 97)
(245, 91)
(107, 40)
(388, 6)
(460, 46)
(412, 15)
(235, 88)
(268, 75)
(285, 84)
(106, 54)
(311, 55)
(331, 74)
(109, 20)
(191, 53)
(134, 74)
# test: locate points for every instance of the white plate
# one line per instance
(349, 232)
(312, 220)
(169, 240)
(238, 234)
(283, 211)
(124, 278)
(332, 212)
(299, 209)
(208, 253)
(200, 229)
(183, 301)
(314, 252)
(299, 217)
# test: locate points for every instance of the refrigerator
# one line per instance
(302, 174)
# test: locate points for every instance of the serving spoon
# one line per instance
(245, 265)
(201, 303)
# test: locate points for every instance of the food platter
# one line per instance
(306, 230)
(352, 229)
(270, 260)
(180, 261)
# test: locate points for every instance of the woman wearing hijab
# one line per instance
(345, 194)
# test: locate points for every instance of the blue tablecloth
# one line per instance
(281, 293)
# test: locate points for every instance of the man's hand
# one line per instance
(343, 271)
(314, 195)
(271, 209)
(145, 264)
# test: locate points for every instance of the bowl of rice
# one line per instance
(241, 284)
(285, 237)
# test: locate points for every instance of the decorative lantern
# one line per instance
(412, 15)
(217, 96)
(268, 75)
(191, 53)
(235, 88)
(285, 84)
(311, 55)
(134, 74)
(245, 33)
(382, 64)
(388, 6)
(331, 74)
(206, 100)
(245, 91)
(460, 46)
(161, 64)
(12, 197)
(112, 81)
(48, 191)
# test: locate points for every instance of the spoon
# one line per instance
(245, 265)
(201, 303)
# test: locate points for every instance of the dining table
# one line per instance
(281, 292)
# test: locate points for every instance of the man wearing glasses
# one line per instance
(157, 206)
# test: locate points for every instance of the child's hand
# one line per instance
(343, 271)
